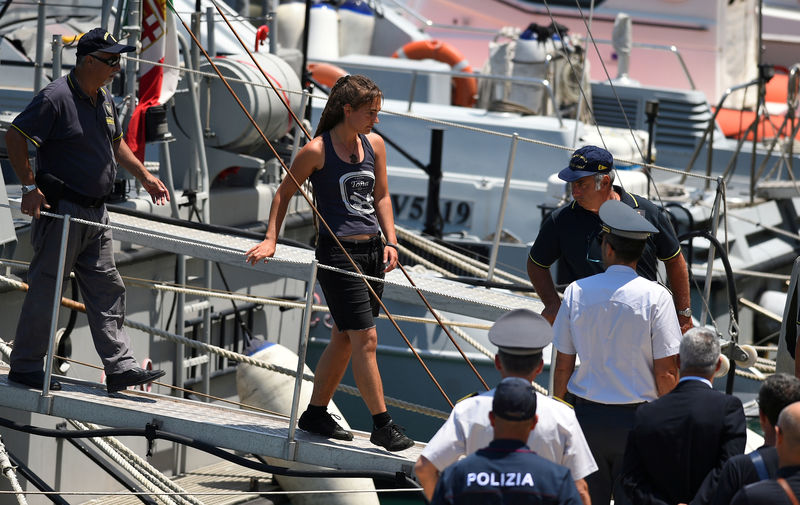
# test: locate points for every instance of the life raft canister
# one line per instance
(465, 89)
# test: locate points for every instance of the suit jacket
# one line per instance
(677, 440)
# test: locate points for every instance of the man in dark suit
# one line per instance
(678, 439)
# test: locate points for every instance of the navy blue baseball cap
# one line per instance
(588, 160)
(98, 39)
(514, 399)
(623, 220)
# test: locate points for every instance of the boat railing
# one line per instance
(659, 47)
(415, 72)
(428, 23)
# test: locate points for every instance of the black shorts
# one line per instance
(351, 304)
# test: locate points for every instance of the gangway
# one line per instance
(220, 426)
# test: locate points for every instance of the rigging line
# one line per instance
(576, 76)
(319, 216)
(646, 163)
(314, 209)
(605, 71)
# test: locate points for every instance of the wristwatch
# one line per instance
(28, 188)
(687, 312)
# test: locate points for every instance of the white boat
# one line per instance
(475, 166)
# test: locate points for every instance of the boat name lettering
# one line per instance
(412, 208)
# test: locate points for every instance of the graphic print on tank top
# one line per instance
(356, 189)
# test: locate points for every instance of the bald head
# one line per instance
(788, 435)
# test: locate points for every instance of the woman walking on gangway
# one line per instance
(346, 164)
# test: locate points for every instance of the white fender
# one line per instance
(273, 391)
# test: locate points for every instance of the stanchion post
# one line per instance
(301, 358)
(51, 345)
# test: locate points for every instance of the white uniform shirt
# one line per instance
(617, 323)
(557, 436)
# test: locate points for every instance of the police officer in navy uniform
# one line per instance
(507, 471)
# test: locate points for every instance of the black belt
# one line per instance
(584, 401)
(82, 200)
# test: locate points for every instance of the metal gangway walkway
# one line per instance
(231, 428)
(224, 427)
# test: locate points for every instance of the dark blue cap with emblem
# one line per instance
(100, 40)
(624, 221)
(588, 160)
(521, 332)
(514, 399)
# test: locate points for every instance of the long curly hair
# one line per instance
(356, 90)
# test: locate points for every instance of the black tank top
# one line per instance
(344, 191)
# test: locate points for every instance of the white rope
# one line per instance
(420, 409)
(115, 446)
(118, 459)
(10, 473)
(460, 260)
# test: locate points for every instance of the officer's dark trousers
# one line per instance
(606, 429)
(90, 254)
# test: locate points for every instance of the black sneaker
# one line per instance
(323, 424)
(391, 438)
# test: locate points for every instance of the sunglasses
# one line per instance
(111, 62)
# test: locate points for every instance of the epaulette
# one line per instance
(474, 393)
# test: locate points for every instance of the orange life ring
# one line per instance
(465, 88)
(325, 73)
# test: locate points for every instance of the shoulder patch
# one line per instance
(474, 393)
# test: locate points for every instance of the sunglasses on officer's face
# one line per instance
(111, 62)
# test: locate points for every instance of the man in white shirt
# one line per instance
(626, 333)
(520, 336)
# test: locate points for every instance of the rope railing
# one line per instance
(234, 356)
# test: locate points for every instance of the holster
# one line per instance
(51, 186)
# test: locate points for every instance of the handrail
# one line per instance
(711, 126)
(671, 48)
(545, 83)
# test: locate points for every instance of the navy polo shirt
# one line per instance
(570, 234)
(74, 137)
(506, 471)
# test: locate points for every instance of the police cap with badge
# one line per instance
(624, 221)
(521, 332)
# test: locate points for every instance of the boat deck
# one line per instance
(224, 427)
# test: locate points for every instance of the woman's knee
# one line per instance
(366, 341)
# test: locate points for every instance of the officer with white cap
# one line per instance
(520, 336)
(625, 330)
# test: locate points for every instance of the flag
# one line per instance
(157, 84)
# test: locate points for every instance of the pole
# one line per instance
(512, 154)
(62, 256)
